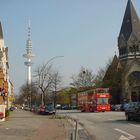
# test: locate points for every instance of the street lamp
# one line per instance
(55, 57)
(52, 59)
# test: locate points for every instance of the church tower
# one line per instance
(129, 54)
(129, 37)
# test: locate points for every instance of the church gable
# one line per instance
(112, 72)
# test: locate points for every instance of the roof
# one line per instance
(131, 22)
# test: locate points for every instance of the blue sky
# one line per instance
(83, 31)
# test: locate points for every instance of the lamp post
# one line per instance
(55, 57)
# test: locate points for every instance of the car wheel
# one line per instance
(128, 117)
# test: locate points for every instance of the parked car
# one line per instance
(12, 108)
(58, 106)
(112, 107)
(65, 107)
(73, 107)
(33, 108)
(124, 106)
(27, 108)
(47, 109)
(41, 109)
(132, 111)
(118, 107)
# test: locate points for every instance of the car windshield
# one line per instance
(49, 107)
(134, 104)
(102, 100)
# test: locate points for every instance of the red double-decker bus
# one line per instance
(94, 100)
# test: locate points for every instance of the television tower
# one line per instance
(28, 55)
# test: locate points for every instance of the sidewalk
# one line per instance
(51, 129)
(25, 125)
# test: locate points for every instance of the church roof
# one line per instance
(115, 60)
(131, 22)
(1, 33)
(112, 68)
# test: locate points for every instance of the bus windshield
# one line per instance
(102, 100)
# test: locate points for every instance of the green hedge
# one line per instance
(7, 113)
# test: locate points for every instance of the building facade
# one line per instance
(6, 87)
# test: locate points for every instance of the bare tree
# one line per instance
(99, 77)
(101, 73)
(47, 81)
(43, 80)
(24, 96)
(57, 78)
(85, 78)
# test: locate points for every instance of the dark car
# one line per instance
(49, 109)
(112, 107)
(12, 108)
(65, 107)
(132, 111)
(124, 106)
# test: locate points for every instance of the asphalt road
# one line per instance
(107, 125)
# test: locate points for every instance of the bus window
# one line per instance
(102, 100)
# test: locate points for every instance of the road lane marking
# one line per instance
(124, 132)
(134, 125)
